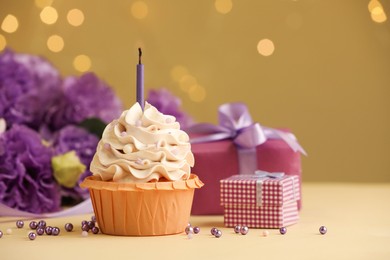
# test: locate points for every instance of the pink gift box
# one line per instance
(218, 160)
(260, 202)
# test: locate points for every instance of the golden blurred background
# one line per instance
(320, 68)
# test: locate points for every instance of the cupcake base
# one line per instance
(142, 209)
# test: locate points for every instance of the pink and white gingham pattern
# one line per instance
(260, 203)
(262, 217)
(243, 190)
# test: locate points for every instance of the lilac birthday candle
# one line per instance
(140, 80)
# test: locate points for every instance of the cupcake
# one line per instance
(142, 183)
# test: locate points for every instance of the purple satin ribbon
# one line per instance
(84, 207)
(235, 122)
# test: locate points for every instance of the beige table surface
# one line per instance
(357, 217)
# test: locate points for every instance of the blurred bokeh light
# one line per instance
(265, 47)
(377, 13)
(55, 43)
(82, 63)
(10, 24)
(139, 9)
(75, 17)
(49, 15)
(223, 6)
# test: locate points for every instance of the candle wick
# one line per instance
(139, 55)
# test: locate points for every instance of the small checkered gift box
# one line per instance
(261, 200)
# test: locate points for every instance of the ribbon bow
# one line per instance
(272, 175)
(263, 175)
(235, 122)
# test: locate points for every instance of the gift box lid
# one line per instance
(259, 190)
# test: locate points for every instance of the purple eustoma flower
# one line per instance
(29, 86)
(36, 102)
(168, 104)
(26, 178)
(83, 98)
(84, 144)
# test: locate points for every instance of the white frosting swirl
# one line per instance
(143, 146)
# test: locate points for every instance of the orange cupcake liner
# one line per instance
(142, 209)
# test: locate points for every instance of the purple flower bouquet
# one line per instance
(44, 149)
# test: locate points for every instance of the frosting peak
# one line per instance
(143, 146)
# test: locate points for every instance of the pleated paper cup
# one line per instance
(142, 209)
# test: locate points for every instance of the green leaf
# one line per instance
(93, 125)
